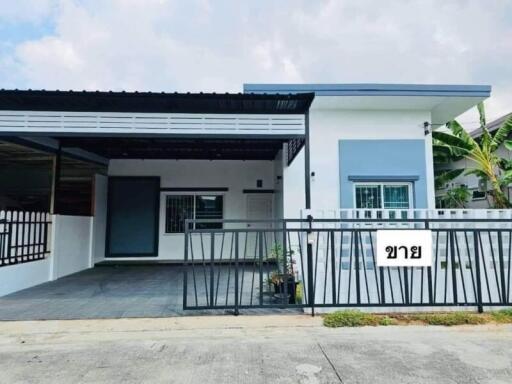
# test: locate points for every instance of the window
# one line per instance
(383, 195)
(478, 195)
(178, 208)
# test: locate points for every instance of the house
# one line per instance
(478, 190)
(125, 176)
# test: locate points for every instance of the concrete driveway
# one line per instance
(250, 349)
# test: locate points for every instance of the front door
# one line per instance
(132, 218)
(259, 207)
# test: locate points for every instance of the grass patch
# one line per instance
(350, 319)
(450, 319)
(504, 316)
(354, 318)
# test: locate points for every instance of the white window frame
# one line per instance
(382, 184)
(163, 198)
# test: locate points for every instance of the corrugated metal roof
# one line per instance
(149, 102)
(492, 126)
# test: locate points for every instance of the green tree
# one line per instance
(486, 164)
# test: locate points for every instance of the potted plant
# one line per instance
(285, 274)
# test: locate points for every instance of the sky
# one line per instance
(217, 45)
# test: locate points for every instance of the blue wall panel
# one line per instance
(382, 160)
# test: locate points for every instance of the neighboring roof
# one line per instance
(149, 102)
(492, 126)
(374, 89)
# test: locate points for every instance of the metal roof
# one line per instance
(149, 102)
(374, 89)
(492, 126)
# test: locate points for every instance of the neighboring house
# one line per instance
(152, 160)
(477, 188)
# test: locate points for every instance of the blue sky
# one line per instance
(194, 45)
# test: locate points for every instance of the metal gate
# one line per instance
(308, 263)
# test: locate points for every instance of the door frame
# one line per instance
(156, 180)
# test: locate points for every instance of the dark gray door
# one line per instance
(133, 211)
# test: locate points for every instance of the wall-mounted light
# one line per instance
(426, 129)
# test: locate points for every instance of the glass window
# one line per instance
(200, 207)
(209, 208)
(396, 196)
(178, 209)
(368, 196)
(382, 195)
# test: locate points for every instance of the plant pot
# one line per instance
(279, 289)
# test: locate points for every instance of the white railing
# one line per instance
(150, 123)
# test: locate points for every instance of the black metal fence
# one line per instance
(24, 236)
(332, 263)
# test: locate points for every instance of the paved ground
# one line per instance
(108, 291)
(248, 349)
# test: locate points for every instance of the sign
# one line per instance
(404, 248)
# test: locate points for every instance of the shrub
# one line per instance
(386, 320)
(350, 319)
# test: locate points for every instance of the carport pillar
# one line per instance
(56, 180)
(307, 166)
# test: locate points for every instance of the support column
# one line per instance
(56, 181)
(307, 167)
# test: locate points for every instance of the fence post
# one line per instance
(504, 295)
(429, 276)
(478, 280)
(309, 246)
(260, 238)
(333, 269)
(185, 271)
(236, 274)
(285, 267)
(212, 271)
(356, 252)
(452, 262)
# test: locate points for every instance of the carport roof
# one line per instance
(150, 102)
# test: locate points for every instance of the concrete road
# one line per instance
(245, 349)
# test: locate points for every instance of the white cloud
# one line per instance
(218, 45)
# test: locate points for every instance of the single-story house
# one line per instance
(128, 173)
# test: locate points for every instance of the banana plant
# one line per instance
(486, 164)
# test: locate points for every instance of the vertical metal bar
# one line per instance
(212, 272)
(261, 266)
(406, 284)
(286, 278)
(452, 262)
(502, 269)
(478, 280)
(236, 273)
(429, 273)
(333, 269)
(185, 269)
(309, 246)
(356, 254)
(307, 166)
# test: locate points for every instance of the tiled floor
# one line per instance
(107, 292)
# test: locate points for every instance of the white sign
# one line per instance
(404, 248)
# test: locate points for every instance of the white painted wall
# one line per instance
(14, 278)
(71, 246)
(234, 175)
(327, 127)
(71, 251)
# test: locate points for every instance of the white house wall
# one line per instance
(234, 175)
(327, 128)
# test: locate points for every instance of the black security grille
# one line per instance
(272, 264)
(24, 237)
